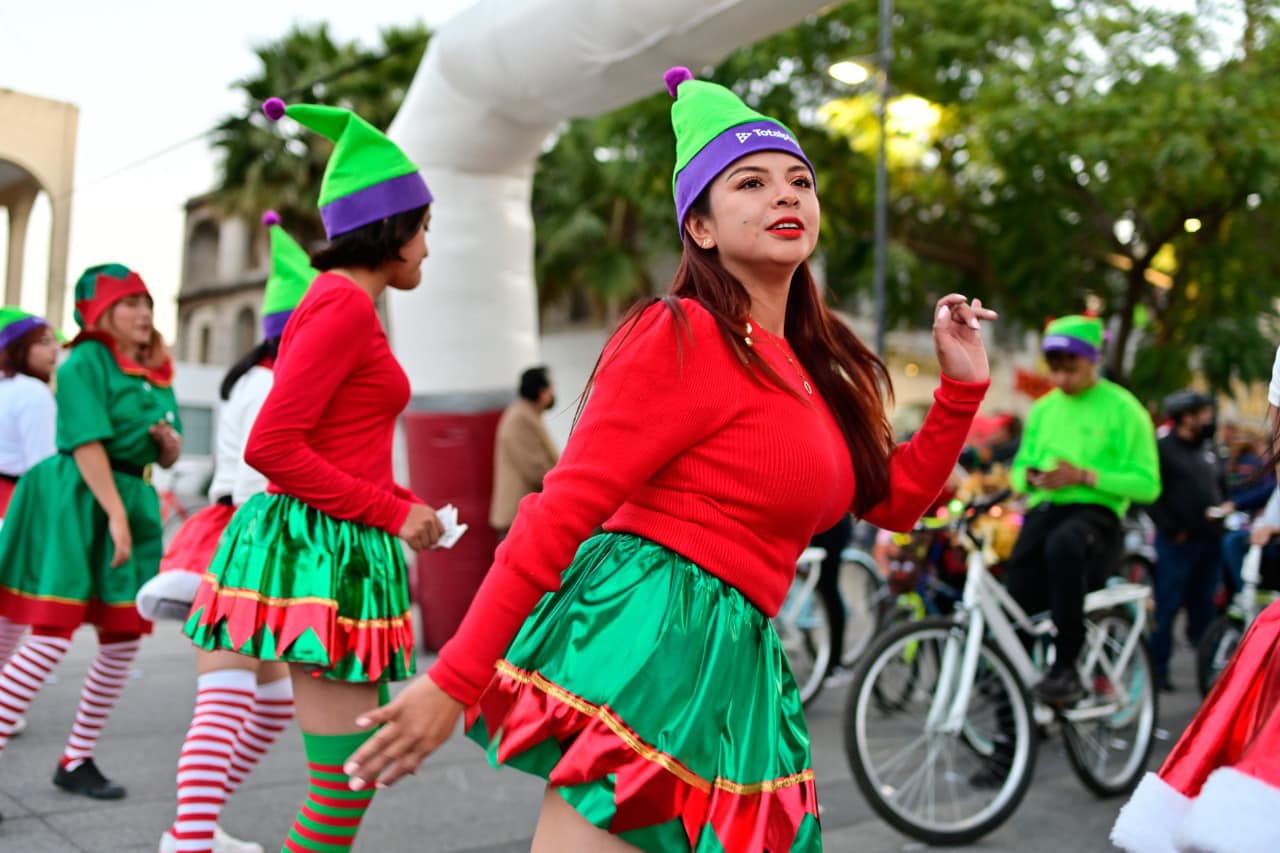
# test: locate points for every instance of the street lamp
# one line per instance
(855, 74)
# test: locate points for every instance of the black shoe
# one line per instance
(88, 781)
(988, 777)
(1164, 685)
(1059, 688)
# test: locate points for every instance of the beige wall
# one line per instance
(37, 153)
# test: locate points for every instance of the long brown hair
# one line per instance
(851, 378)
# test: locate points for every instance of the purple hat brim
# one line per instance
(721, 152)
(273, 324)
(373, 203)
(18, 328)
(1071, 346)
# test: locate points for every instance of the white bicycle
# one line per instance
(941, 730)
(803, 623)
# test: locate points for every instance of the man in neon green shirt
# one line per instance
(1088, 451)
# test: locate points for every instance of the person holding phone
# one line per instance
(1087, 451)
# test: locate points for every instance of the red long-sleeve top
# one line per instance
(324, 433)
(680, 445)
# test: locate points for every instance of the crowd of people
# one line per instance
(724, 426)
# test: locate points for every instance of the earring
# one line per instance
(706, 243)
(747, 340)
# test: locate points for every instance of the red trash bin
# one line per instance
(451, 461)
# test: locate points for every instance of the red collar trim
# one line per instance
(160, 375)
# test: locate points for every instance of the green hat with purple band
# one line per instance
(713, 128)
(1075, 334)
(367, 178)
(291, 275)
(14, 323)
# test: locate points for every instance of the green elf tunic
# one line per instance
(55, 550)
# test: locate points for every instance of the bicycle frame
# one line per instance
(987, 606)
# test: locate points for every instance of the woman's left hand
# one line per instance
(414, 725)
(957, 338)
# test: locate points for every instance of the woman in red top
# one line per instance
(311, 571)
(724, 426)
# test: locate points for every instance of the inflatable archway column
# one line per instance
(495, 83)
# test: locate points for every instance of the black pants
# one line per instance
(1063, 552)
(834, 541)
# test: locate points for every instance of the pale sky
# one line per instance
(146, 74)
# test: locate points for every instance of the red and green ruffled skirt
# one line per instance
(290, 583)
(659, 703)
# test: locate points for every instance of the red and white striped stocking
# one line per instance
(24, 675)
(272, 711)
(102, 689)
(223, 704)
(10, 635)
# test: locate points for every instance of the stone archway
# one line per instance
(37, 154)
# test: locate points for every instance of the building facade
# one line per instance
(225, 262)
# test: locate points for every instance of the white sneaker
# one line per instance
(223, 843)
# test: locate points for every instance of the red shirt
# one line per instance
(324, 433)
(680, 445)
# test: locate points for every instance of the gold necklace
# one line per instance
(749, 342)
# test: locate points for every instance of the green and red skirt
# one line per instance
(290, 583)
(659, 703)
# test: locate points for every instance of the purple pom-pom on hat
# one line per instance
(270, 218)
(675, 76)
(273, 108)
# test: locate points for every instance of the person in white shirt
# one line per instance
(28, 355)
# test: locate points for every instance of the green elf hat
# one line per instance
(101, 286)
(291, 275)
(14, 323)
(1075, 334)
(713, 128)
(368, 177)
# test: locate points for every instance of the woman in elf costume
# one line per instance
(83, 529)
(28, 355)
(242, 703)
(725, 425)
(311, 572)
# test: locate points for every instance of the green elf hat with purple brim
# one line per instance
(1076, 335)
(368, 177)
(14, 323)
(291, 275)
(713, 128)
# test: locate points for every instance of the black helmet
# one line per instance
(1185, 402)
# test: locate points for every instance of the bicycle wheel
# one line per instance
(937, 786)
(863, 592)
(805, 632)
(1216, 648)
(1109, 753)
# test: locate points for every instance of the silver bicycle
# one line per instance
(941, 730)
(803, 623)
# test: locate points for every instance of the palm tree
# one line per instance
(265, 165)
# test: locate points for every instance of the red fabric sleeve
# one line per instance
(920, 468)
(306, 379)
(405, 494)
(654, 396)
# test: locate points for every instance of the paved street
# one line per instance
(456, 804)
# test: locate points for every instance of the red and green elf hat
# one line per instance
(99, 287)
(291, 275)
(367, 178)
(713, 128)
